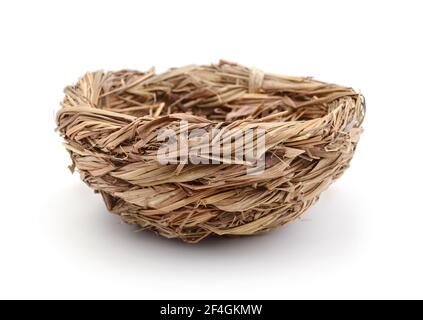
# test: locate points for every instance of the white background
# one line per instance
(362, 240)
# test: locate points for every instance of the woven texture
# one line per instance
(110, 122)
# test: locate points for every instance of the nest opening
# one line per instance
(199, 97)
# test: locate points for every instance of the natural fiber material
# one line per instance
(110, 122)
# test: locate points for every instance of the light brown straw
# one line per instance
(110, 122)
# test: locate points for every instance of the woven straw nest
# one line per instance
(111, 121)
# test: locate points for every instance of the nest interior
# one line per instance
(110, 122)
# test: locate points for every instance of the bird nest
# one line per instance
(209, 150)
